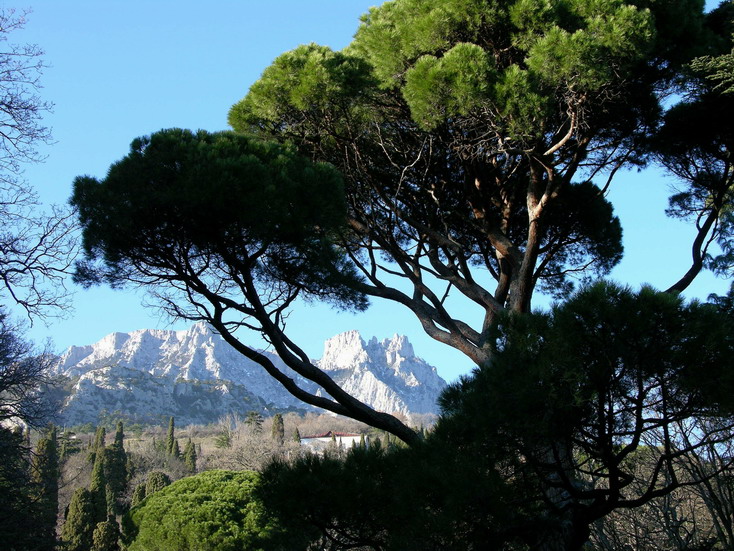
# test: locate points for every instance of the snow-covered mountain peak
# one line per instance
(346, 350)
(148, 372)
(399, 347)
(199, 329)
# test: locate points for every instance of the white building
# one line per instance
(319, 442)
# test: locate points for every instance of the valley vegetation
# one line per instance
(454, 159)
(94, 490)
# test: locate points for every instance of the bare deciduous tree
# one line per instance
(36, 247)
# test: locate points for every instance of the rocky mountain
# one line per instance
(198, 378)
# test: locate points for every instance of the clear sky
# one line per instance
(122, 69)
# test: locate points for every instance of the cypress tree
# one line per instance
(278, 430)
(138, 494)
(98, 489)
(157, 480)
(106, 535)
(297, 435)
(176, 451)
(99, 437)
(170, 440)
(45, 489)
(111, 501)
(78, 529)
(189, 457)
(119, 435)
(116, 463)
(99, 443)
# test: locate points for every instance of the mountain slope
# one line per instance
(197, 377)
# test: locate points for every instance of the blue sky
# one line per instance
(119, 70)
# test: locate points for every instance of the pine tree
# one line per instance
(78, 529)
(189, 456)
(171, 439)
(297, 435)
(98, 489)
(45, 489)
(278, 430)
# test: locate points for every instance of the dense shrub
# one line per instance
(213, 510)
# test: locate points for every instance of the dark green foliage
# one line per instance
(170, 438)
(116, 463)
(296, 435)
(106, 535)
(138, 494)
(535, 447)
(189, 456)
(175, 450)
(98, 488)
(251, 189)
(223, 439)
(99, 437)
(98, 443)
(119, 435)
(17, 506)
(156, 480)
(637, 369)
(701, 163)
(45, 489)
(431, 496)
(214, 510)
(78, 530)
(278, 430)
(69, 445)
(520, 102)
(254, 421)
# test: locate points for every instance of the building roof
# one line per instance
(329, 435)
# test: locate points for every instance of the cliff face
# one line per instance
(385, 374)
(198, 378)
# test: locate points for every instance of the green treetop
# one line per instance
(156, 480)
(98, 443)
(180, 517)
(80, 521)
(105, 536)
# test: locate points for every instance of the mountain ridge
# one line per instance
(196, 376)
